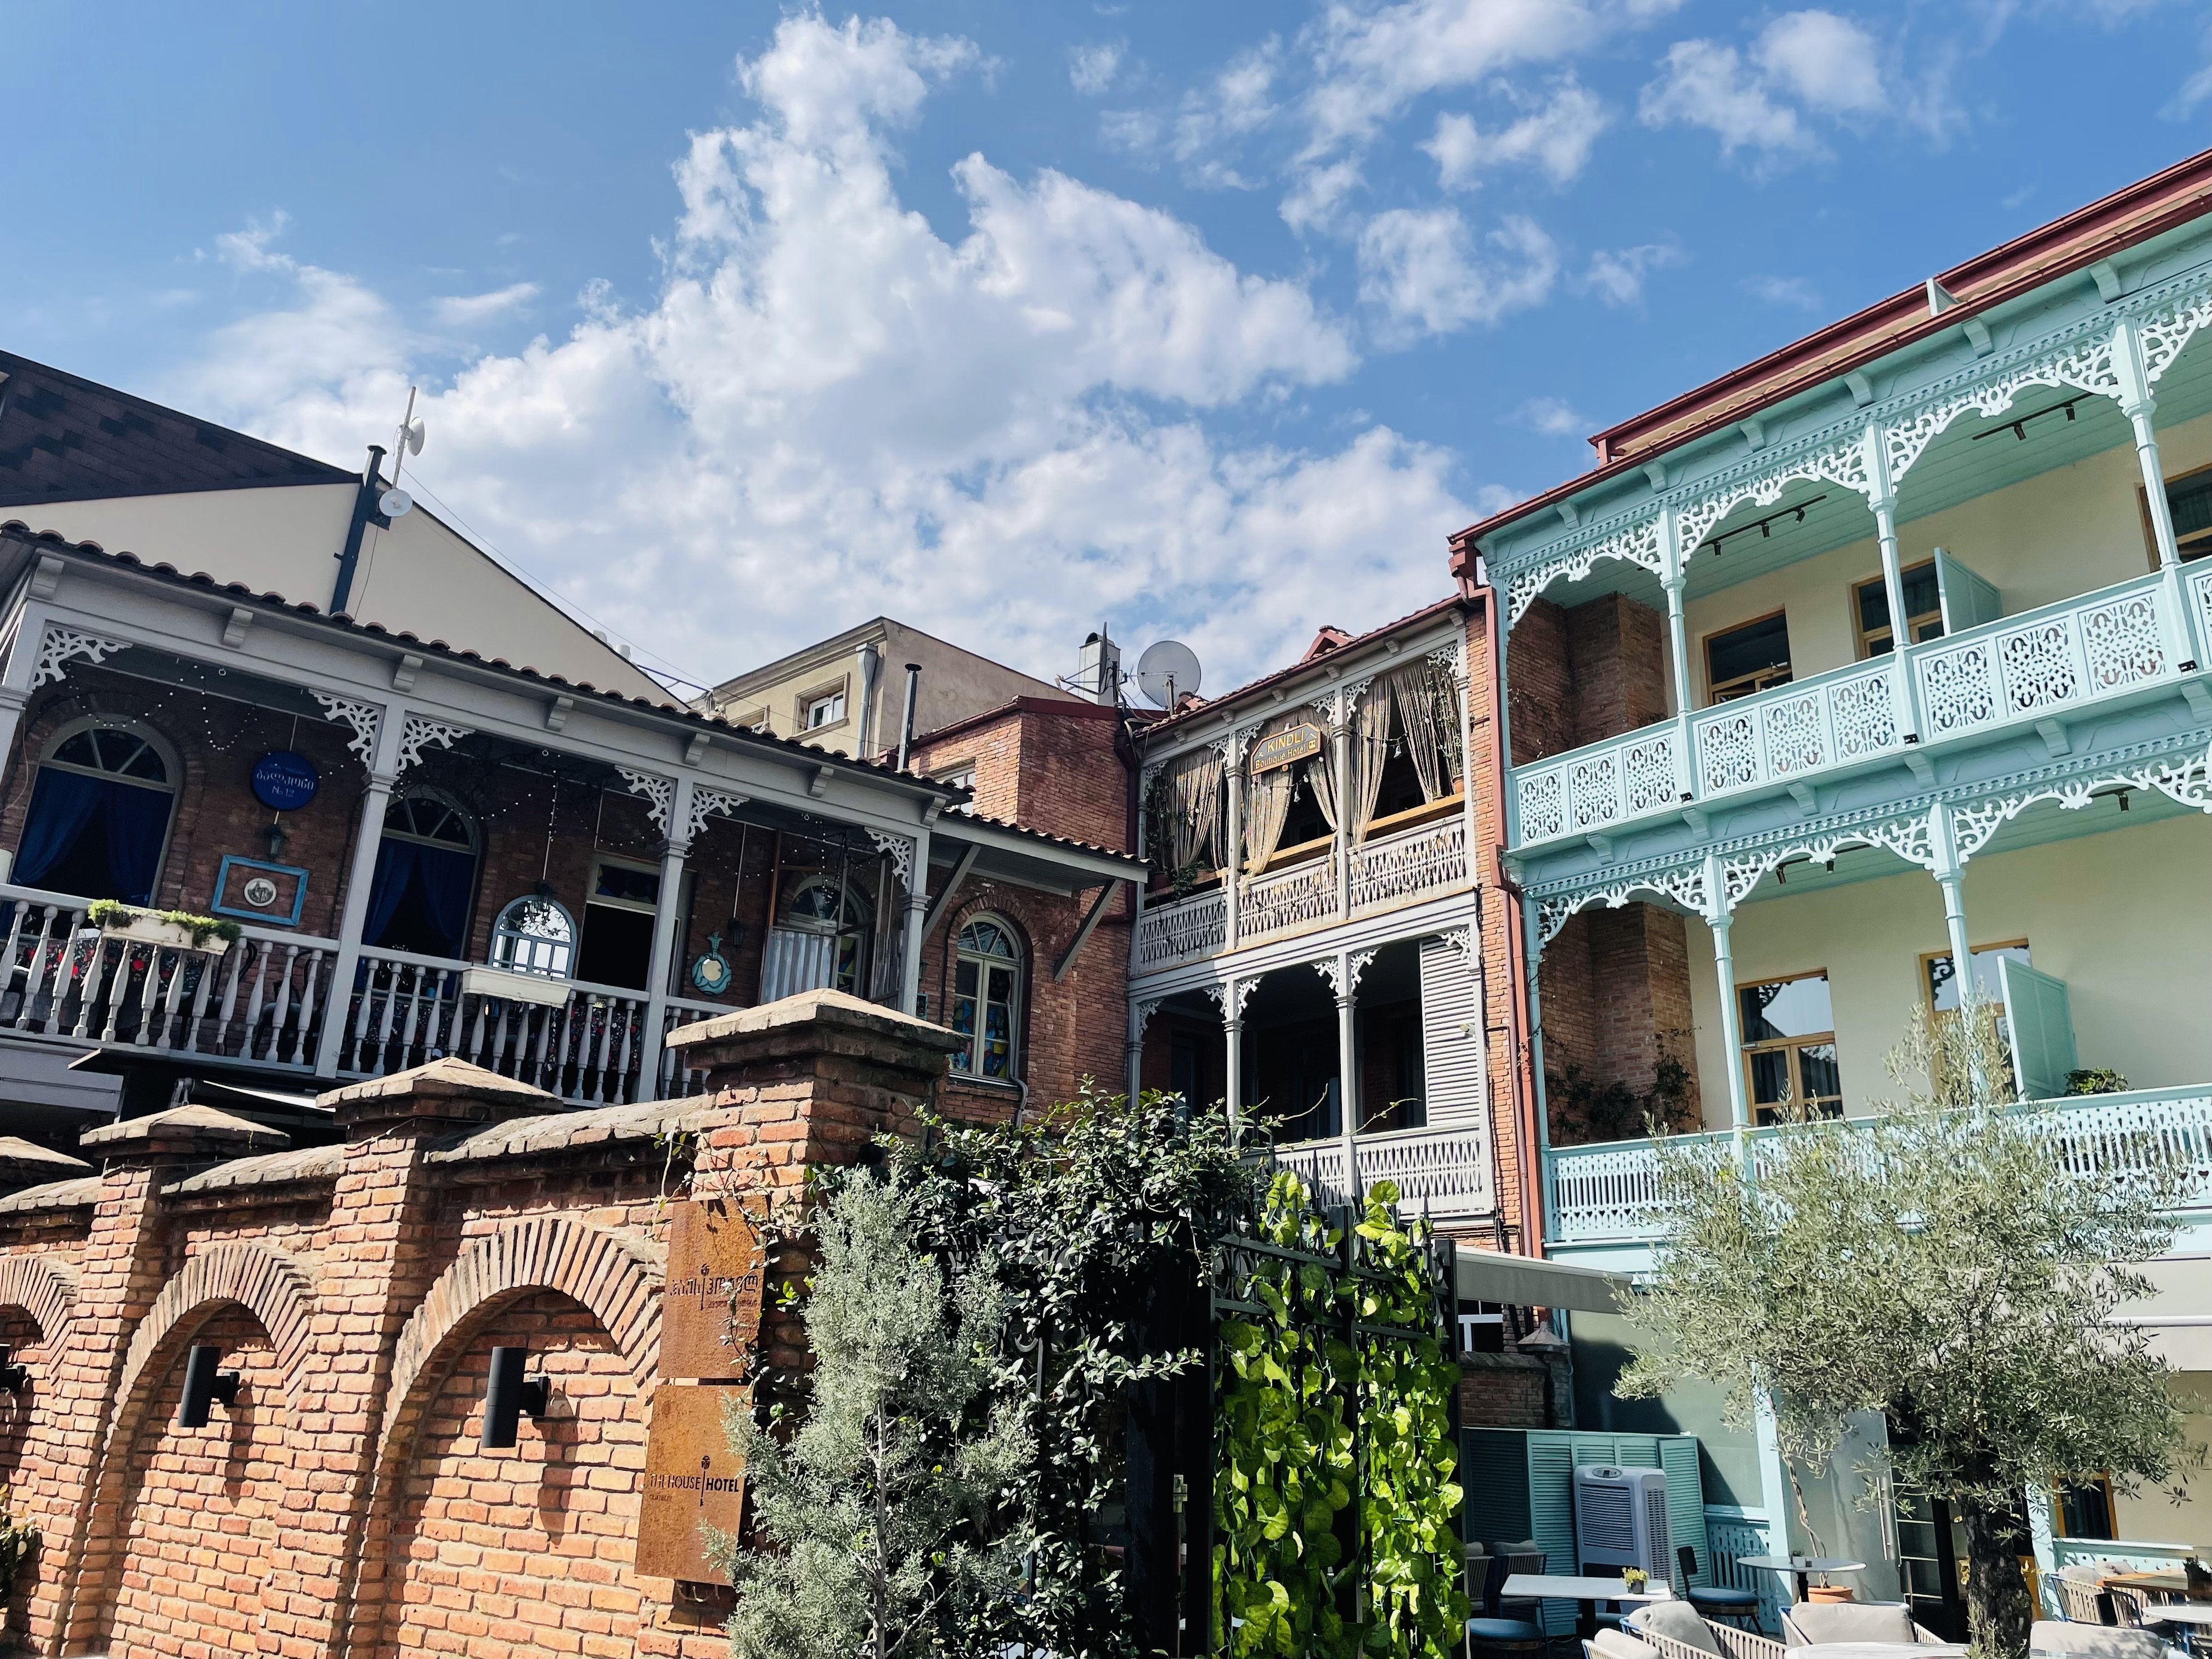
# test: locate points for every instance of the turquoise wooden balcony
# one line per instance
(2020, 679)
(1609, 1194)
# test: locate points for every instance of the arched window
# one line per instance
(99, 813)
(425, 871)
(535, 935)
(814, 910)
(987, 998)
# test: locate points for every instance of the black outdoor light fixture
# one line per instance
(13, 1377)
(204, 1383)
(508, 1394)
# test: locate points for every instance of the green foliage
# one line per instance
(113, 913)
(18, 1539)
(878, 1505)
(1087, 1220)
(1938, 1263)
(2096, 1080)
(1312, 1411)
(1584, 1109)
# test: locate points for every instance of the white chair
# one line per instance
(2052, 1638)
(1677, 1630)
(1810, 1622)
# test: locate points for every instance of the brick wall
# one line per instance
(1614, 1001)
(1504, 1391)
(1575, 677)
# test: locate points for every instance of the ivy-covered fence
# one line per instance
(1335, 1511)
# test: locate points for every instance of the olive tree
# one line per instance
(1942, 1264)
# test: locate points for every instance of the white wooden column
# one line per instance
(1140, 1014)
(1673, 577)
(1232, 1030)
(666, 915)
(1345, 980)
(361, 873)
(2138, 406)
(1950, 876)
(1717, 919)
(917, 910)
(1339, 754)
(1904, 701)
(1233, 878)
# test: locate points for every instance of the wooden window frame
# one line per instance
(1928, 958)
(1746, 1049)
(1713, 697)
(636, 867)
(840, 688)
(1860, 631)
(2150, 530)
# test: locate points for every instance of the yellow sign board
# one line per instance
(1300, 742)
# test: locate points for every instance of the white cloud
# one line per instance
(1557, 137)
(1702, 84)
(1793, 292)
(2194, 91)
(460, 311)
(829, 411)
(1090, 70)
(1426, 272)
(1552, 416)
(1827, 61)
(1316, 202)
(1616, 275)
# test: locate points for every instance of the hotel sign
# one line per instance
(694, 1483)
(1300, 742)
(710, 1305)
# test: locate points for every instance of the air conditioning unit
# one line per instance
(1620, 1520)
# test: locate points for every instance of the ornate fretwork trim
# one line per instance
(1231, 996)
(1684, 883)
(900, 849)
(60, 645)
(1841, 462)
(1451, 659)
(658, 792)
(419, 731)
(1141, 1014)
(1638, 542)
(365, 717)
(708, 803)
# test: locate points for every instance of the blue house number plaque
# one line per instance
(284, 780)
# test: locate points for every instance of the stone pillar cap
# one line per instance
(446, 1092)
(837, 1010)
(25, 1163)
(181, 1132)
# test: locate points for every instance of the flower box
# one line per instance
(174, 931)
(511, 987)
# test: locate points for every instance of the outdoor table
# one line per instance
(1802, 1567)
(1880, 1651)
(2130, 1592)
(1585, 1591)
(2191, 1615)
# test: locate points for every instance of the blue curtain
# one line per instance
(62, 804)
(136, 820)
(440, 879)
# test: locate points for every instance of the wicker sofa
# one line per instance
(1677, 1631)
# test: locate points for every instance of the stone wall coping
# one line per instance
(1502, 1362)
(270, 1169)
(834, 1010)
(23, 1154)
(197, 1125)
(81, 1194)
(449, 1079)
(600, 1126)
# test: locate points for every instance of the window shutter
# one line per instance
(2042, 1024)
(1452, 1038)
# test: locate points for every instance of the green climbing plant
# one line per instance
(1336, 1516)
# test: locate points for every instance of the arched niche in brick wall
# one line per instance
(536, 1266)
(43, 1287)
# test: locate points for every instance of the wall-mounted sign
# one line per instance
(710, 970)
(253, 890)
(710, 1305)
(693, 1481)
(1300, 742)
(285, 781)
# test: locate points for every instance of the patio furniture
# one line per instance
(2080, 1591)
(1491, 1632)
(1801, 1568)
(2132, 1592)
(2051, 1638)
(1822, 1624)
(1610, 1644)
(2193, 1619)
(1716, 1601)
(1677, 1631)
(1586, 1591)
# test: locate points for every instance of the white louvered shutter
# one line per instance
(1452, 1038)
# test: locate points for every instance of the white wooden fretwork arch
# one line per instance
(58, 646)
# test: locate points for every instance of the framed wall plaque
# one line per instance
(693, 1481)
(1300, 742)
(252, 889)
(710, 1304)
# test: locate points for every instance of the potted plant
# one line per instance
(177, 930)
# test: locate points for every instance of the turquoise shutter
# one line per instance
(1552, 1454)
(1685, 1499)
(2041, 1020)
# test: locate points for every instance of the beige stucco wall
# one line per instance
(2120, 915)
(420, 576)
(2150, 1516)
(2047, 538)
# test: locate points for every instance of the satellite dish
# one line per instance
(1167, 671)
(394, 502)
(411, 434)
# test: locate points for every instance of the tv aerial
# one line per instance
(1167, 671)
(408, 441)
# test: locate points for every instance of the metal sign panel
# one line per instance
(1300, 742)
(710, 1304)
(693, 1481)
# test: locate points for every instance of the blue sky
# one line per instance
(741, 325)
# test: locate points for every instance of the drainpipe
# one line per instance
(906, 731)
(1477, 587)
(872, 672)
(364, 515)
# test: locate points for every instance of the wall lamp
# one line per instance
(13, 1377)
(509, 1394)
(204, 1383)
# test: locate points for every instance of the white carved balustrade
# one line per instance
(1439, 1172)
(2048, 662)
(1611, 1191)
(1284, 899)
(2019, 670)
(261, 999)
(1181, 932)
(1408, 864)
